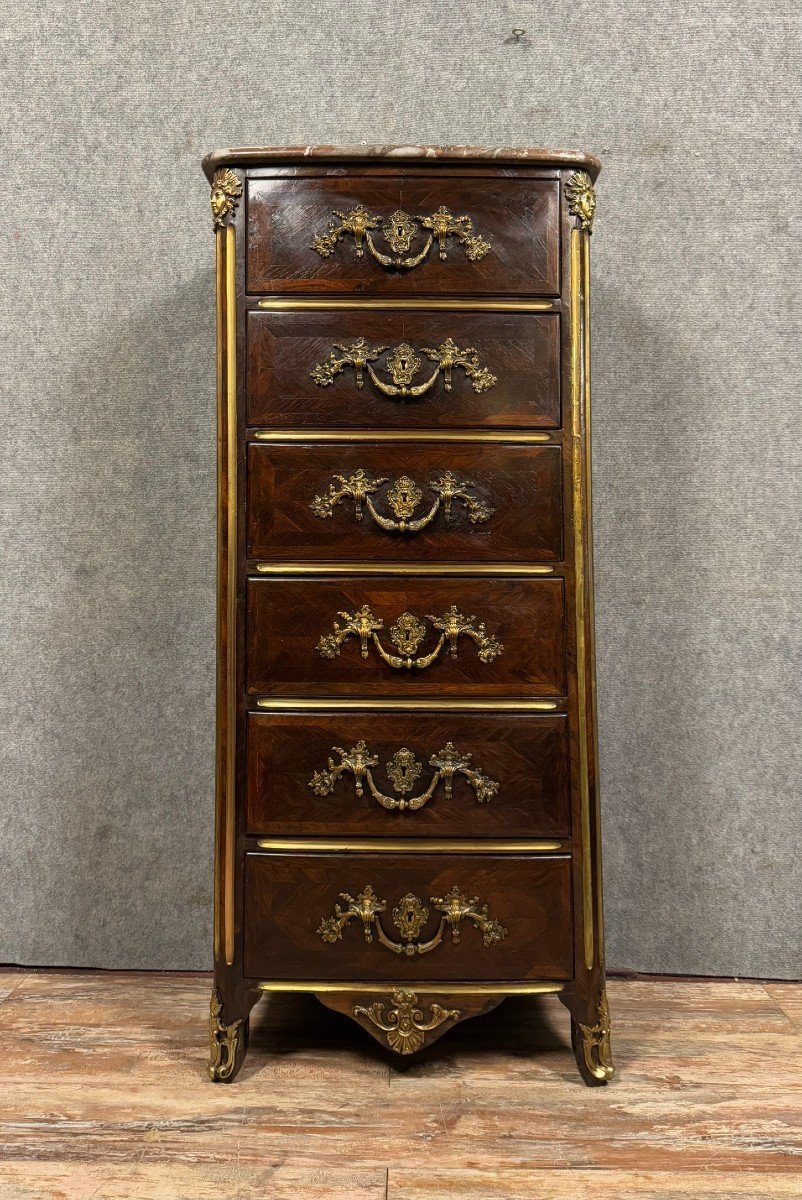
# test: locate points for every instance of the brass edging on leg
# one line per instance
(283, 704)
(579, 502)
(286, 304)
(313, 845)
(535, 988)
(599, 888)
(221, 577)
(231, 586)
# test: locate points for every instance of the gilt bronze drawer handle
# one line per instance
(403, 496)
(403, 365)
(404, 1024)
(404, 771)
(409, 917)
(407, 634)
(400, 230)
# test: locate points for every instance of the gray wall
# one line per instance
(107, 582)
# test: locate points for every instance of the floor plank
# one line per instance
(103, 1093)
(788, 997)
(586, 1185)
(179, 1181)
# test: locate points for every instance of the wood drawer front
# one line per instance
(520, 350)
(508, 505)
(518, 219)
(289, 896)
(291, 631)
(513, 781)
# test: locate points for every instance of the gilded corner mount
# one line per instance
(581, 199)
(225, 196)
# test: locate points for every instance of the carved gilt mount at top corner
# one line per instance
(581, 197)
(225, 196)
(403, 235)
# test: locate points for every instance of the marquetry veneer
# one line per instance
(407, 807)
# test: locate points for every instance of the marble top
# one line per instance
(254, 156)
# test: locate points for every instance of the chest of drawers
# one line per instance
(407, 808)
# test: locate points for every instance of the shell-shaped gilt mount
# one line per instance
(225, 196)
(404, 1023)
(581, 197)
(408, 238)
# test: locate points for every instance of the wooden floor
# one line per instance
(104, 1094)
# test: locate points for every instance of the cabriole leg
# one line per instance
(228, 1041)
(590, 1038)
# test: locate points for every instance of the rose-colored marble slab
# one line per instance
(242, 156)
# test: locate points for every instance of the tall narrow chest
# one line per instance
(407, 806)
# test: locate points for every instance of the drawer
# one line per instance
(408, 774)
(293, 379)
(400, 501)
(394, 635)
(403, 236)
(427, 916)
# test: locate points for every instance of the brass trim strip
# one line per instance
(599, 887)
(535, 988)
(231, 598)
(311, 568)
(219, 791)
(291, 305)
(406, 845)
(579, 501)
(395, 435)
(269, 704)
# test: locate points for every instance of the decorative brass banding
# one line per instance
(596, 1049)
(477, 304)
(403, 497)
(396, 435)
(374, 568)
(403, 365)
(403, 770)
(579, 507)
(273, 704)
(400, 231)
(581, 197)
(407, 634)
(404, 1023)
(224, 197)
(223, 1042)
(307, 845)
(410, 916)
(531, 988)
